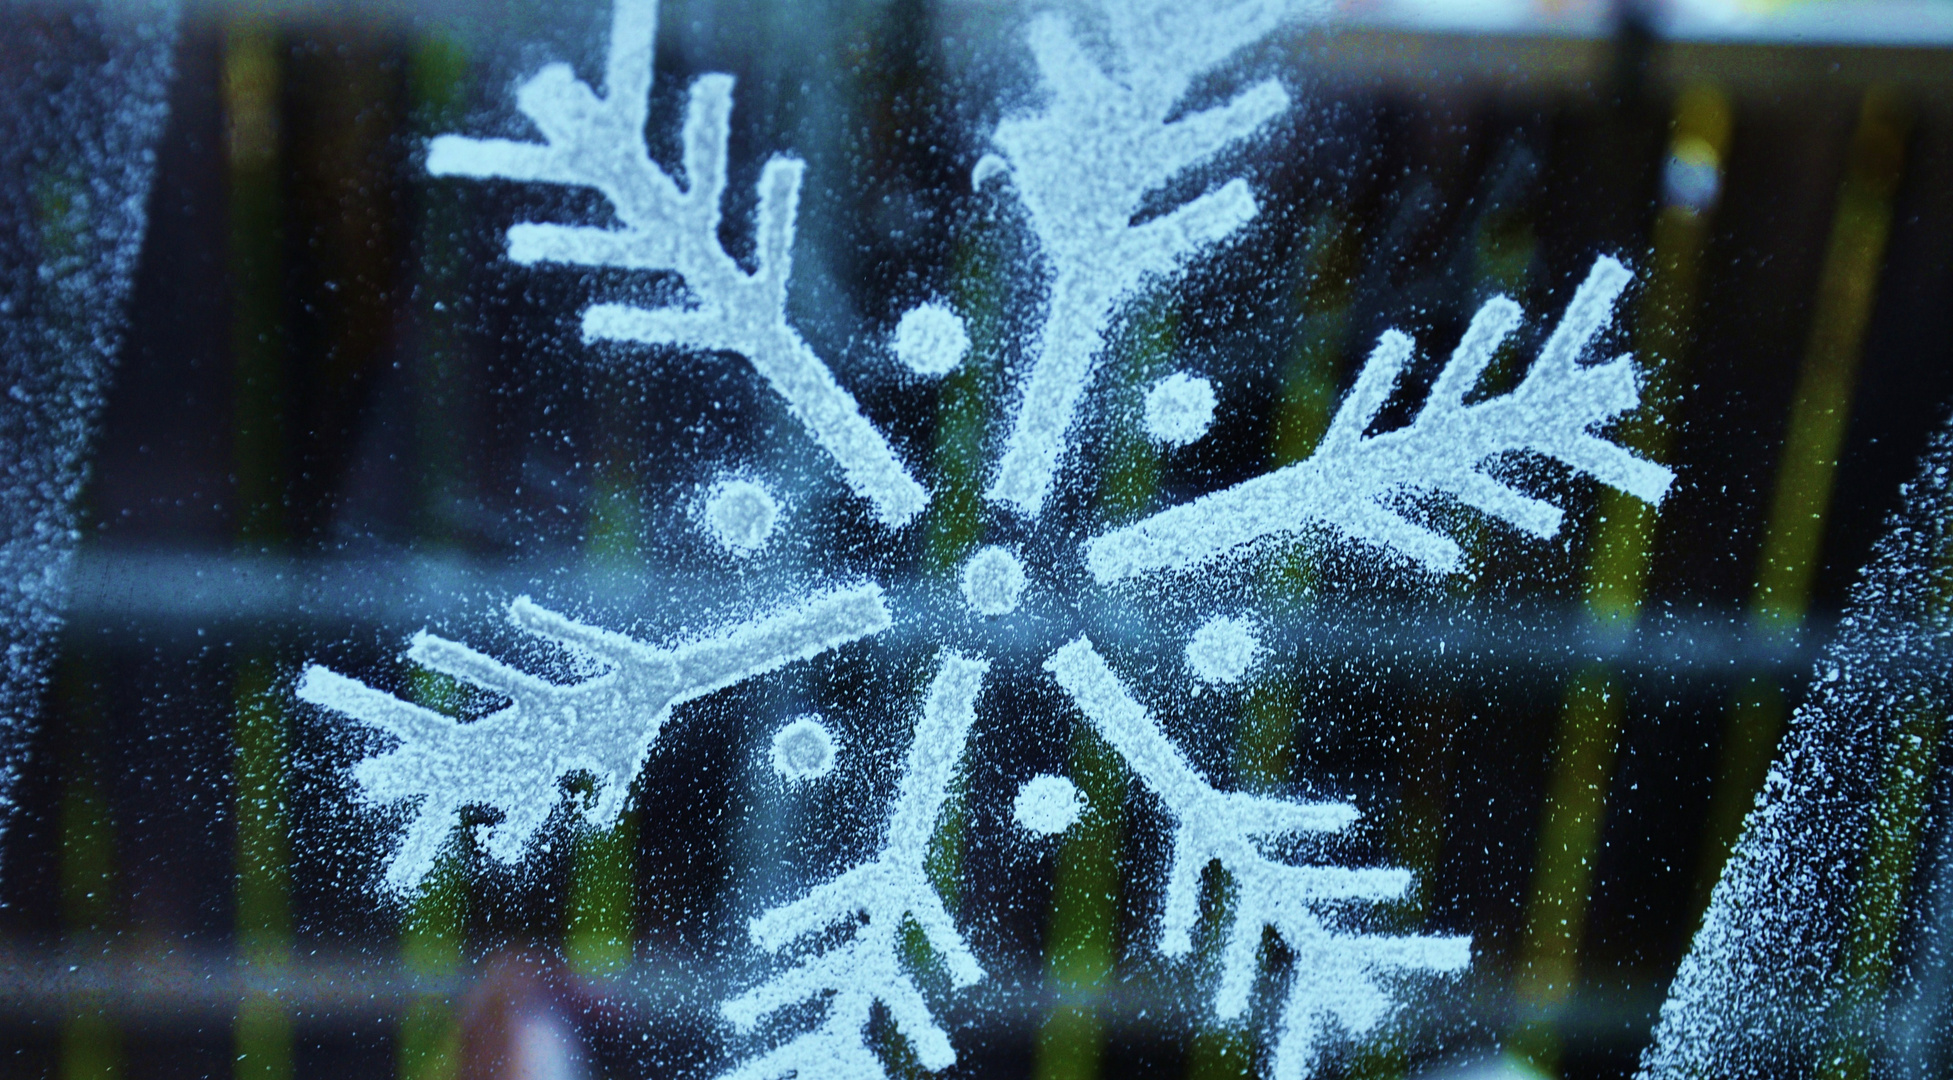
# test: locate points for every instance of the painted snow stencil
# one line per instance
(1335, 979)
(1786, 975)
(1104, 139)
(1346, 482)
(597, 141)
(877, 897)
(515, 759)
(1083, 164)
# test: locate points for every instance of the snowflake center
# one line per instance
(993, 581)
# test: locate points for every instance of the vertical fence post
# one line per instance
(263, 853)
(1594, 705)
(1082, 943)
(90, 1037)
(252, 86)
(1820, 411)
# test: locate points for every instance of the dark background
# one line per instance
(340, 416)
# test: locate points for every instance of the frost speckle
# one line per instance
(85, 107)
(931, 340)
(1179, 409)
(803, 750)
(741, 515)
(1047, 805)
(1223, 650)
(993, 581)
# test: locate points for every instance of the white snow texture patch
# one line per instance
(597, 141)
(875, 898)
(1082, 165)
(1338, 980)
(514, 760)
(993, 581)
(83, 99)
(1047, 805)
(740, 515)
(1769, 985)
(1223, 650)
(1179, 409)
(1351, 480)
(931, 340)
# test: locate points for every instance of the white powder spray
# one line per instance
(597, 141)
(874, 899)
(1223, 650)
(1047, 805)
(1179, 409)
(740, 515)
(514, 759)
(803, 750)
(86, 98)
(1769, 987)
(1083, 164)
(1351, 478)
(931, 340)
(993, 581)
(1340, 979)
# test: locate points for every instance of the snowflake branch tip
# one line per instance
(1082, 166)
(1354, 482)
(515, 759)
(1348, 994)
(878, 896)
(1336, 973)
(597, 141)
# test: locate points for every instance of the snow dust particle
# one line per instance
(1179, 408)
(803, 750)
(741, 515)
(931, 340)
(1223, 650)
(993, 581)
(1048, 805)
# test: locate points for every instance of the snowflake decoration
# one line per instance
(1105, 139)
(515, 759)
(877, 896)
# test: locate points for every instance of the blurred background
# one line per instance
(339, 416)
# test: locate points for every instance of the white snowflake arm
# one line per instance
(810, 979)
(514, 759)
(1335, 975)
(822, 907)
(1350, 480)
(1083, 166)
(880, 894)
(833, 1051)
(598, 142)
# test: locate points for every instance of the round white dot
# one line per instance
(931, 340)
(1223, 650)
(741, 515)
(1048, 805)
(803, 750)
(1179, 408)
(993, 581)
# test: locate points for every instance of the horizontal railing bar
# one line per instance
(186, 594)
